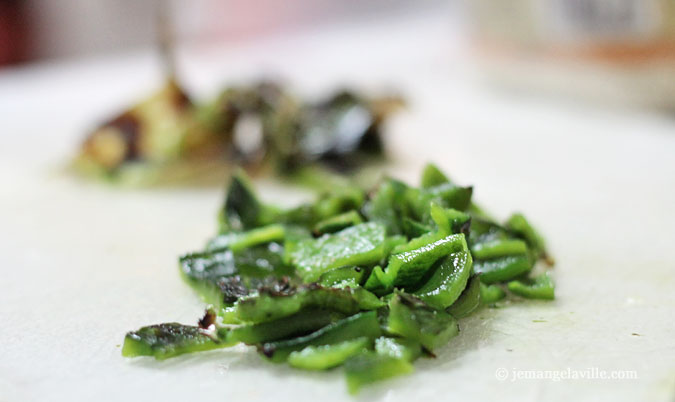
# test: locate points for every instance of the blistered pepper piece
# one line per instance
(363, 324)
(323, 357)
(369, 367)
(468, 301)
(363, 245)
(541, 287)
(163, 341)
(502, 269)
(447, 282)
(490, 294)
(411, 318)
(294, 325)
(271, 304)
(408, 267)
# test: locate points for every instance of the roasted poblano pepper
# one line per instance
(171, 138)
(407, 268)
(238, 241)
(503, 268)
(363, 324)
(410, 317)
(371, 281)
(222, 276)
(490, 294)
(499, 248)
(387, 206)
(326, 356)
(400, 348)
(242, 209)
(447, 282)
(450, 220)
(520, 227)
(369, 367)
(468, 301)
(351, 275)
(293, 325)
(168, 340)
(540, 287)
(338, 222)
(363, 245)
(432, 176)
(269, 304)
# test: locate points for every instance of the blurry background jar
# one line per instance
(616, 51)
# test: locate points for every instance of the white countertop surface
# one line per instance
(84, 263)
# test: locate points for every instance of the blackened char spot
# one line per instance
(181, 99)
(281, 287)
(413, 301)
(428, 352)
(464, 228)
(268, 350)
(207, 320)
(232, 288)
(129, 126)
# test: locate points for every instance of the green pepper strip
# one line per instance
(450, 220)
(369, 367)
(363, 245)
(169, 340)
(411, 318)
(297, 324)
(359, 325)
(400, 348)
(502, 269)
(413, 228)
(447, 282)
(468, 301)
(490, 294)
(408, 267)
(540, 287)
(342, 275)
(327, 356)
(338, 222)
(268, 306)
(432, 176)
(498, 248)
(522, 228)
(237, 241)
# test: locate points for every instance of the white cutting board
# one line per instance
(83, 263)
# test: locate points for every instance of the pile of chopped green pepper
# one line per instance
(370, 281)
